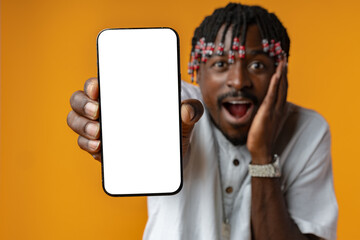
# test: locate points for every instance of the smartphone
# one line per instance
(139, 81)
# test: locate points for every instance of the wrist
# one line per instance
(261, 159)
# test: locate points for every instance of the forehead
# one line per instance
(253, 38)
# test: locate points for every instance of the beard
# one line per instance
(236, 141)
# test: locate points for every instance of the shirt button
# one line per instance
(236, 162)
(229, 190)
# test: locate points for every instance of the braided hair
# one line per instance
(275, 40)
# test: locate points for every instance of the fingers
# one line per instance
(89, 132)
(97, 156)
(85, 103)
(81, 120)
(276, 93)
(283, 86)
(91, 146)
(83, 126)
(191, 112)
(91, 88)
(84, 106)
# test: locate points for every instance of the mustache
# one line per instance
(242, 94)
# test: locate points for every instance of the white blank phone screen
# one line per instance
(139, 107)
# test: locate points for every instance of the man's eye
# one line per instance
(220, 64)
(256, 66)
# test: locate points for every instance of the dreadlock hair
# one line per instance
(275, 40)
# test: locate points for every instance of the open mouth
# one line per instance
(237, 108)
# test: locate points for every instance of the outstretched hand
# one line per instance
(269, 118)
(83, 119)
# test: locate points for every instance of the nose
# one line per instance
(238, 77)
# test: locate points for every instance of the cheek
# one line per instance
(261, 84)
(210, 90)
(209, 96)
(264, 90)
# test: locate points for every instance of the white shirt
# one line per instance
(197, 211)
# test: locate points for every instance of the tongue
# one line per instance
(237, 110)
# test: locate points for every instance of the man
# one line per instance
(255, 166)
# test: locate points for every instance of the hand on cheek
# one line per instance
(269, 118)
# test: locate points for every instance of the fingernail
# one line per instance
(91, 109)
(90, 88)
(94, 144)
(92, 129)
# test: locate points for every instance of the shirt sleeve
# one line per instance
(189, 91)
(310, 197)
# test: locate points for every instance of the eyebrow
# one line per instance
(257, 52)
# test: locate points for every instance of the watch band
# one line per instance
(271, 170)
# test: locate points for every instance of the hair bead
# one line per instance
(242, 51)
(278, 49)
(220, 49)
(209, 49)
(236, 44)
(265, 44)
(272, 48)
(231, 58)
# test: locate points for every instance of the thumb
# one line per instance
(191, 112)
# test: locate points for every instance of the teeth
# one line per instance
(239, 102)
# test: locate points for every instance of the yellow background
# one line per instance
(50, 189)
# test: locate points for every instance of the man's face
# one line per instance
(232, 93)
